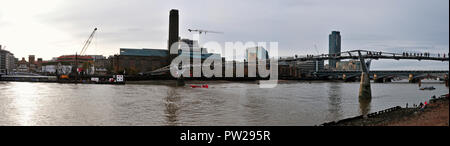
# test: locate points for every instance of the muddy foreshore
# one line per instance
(436, 113)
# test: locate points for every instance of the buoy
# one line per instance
(202, 86)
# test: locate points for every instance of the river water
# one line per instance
(222, 104)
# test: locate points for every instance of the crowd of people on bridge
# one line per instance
(404, 54)
(374, 53)
(426, 54)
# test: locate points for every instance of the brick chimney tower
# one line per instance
(173, 32)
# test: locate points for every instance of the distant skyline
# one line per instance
(50, 28)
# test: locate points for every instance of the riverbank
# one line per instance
(436, 113)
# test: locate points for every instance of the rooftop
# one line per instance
(143, 52)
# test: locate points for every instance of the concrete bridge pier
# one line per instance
(411, 79)
(446, 80)
(365, 92)
(383, 80)
(364, 106)
(364, 89)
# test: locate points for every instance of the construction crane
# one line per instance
(203, 31)
(88, 42)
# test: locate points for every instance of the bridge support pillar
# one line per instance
(377, 80)
(365, 92)
(364, 89)
(446, 80)
(411, 78)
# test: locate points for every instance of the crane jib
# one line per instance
(88, 42)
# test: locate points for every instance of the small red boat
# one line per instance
(199, 86)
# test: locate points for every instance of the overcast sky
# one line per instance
(50, 28)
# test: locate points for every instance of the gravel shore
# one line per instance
(436, 113)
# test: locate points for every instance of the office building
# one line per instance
(334, 48)
(256, 54)
(7, 62)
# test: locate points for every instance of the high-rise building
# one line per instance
(7, 62)
(334, 48)
(256, 54)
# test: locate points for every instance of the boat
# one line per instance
(428, 88)
(199, 86)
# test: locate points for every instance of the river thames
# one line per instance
(222, 104)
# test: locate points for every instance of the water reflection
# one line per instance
(25, 103)
(256, 105)
(364, 105)
(223, 104)
(172, 108)
(334, 101)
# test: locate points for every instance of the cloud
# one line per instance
(298, 25)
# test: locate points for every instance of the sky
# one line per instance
(50, 28)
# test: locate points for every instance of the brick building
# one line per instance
(134, 61)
